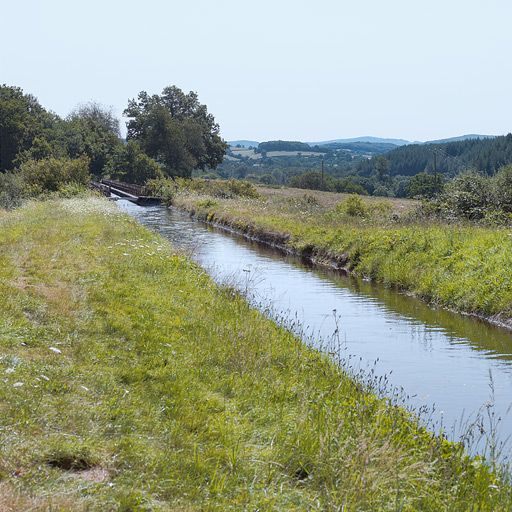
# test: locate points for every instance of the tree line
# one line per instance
(484, 155)
(168, 135)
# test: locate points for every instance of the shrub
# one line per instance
(381, 208)
(353, 206)
(210, 176)
(495, 217)
(267, 179)
(310, 199)
(54, 174)
(225, 189)
(467, 196)
(12, 190)
(312, 180)
(207, 203)
(354, 188)
(382, 191)
(424, 185)
(349, 187)
(502, 191)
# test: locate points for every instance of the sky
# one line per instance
(292, 70)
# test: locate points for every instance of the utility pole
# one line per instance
(322, 172)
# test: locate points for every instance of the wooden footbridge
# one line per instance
(134, 193)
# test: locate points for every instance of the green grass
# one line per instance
(463, 267)
(129, 381)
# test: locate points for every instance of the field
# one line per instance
(252, 155)
(461, 266)
(131, 382)
(326, 201)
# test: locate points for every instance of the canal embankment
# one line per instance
(460, 266)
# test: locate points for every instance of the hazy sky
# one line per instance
(299, 70)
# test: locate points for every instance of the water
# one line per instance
(439, 358)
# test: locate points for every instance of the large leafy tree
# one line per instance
(425, 185)
(92, 130)
(176, 130)
(129, 163)
(23, 124)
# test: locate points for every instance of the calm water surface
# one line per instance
(439, 358)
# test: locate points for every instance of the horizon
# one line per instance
(332, 139)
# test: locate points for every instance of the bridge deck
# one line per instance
(134, 193)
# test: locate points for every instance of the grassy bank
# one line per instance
(460, 266)
(129, 381)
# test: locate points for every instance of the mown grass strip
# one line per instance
(129, 381)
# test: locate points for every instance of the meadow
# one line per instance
(130, 381)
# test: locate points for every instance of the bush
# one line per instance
(267, 179)
(502, 193)
(225, 189)
(312, 180)
(381, 208)
(424, 185)
(353, 206)
(350, 187)
(467, 196)
(382, 191)
(164, 188)
(12, 190)
(495, 217)
(210, 176)
(54, 174)
(310, 199)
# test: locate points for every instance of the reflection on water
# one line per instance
(436, 356)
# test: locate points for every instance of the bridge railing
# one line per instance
(136, 190)
(101, 187)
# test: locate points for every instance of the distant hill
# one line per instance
(360, 148)
(243, 143)
(373, 140)
(370, 140)
(288, 148)
(284, 145)
(471, 136)
(483, 154)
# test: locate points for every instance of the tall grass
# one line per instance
(129, 381)
(462, 266)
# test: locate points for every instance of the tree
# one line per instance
(425, 185)
(503, 189)
(312, 180)
(22, 119)
(176, 130)
(130, 164)
(349, 187)
(382, 168)
(468, 195)
(92, 130)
